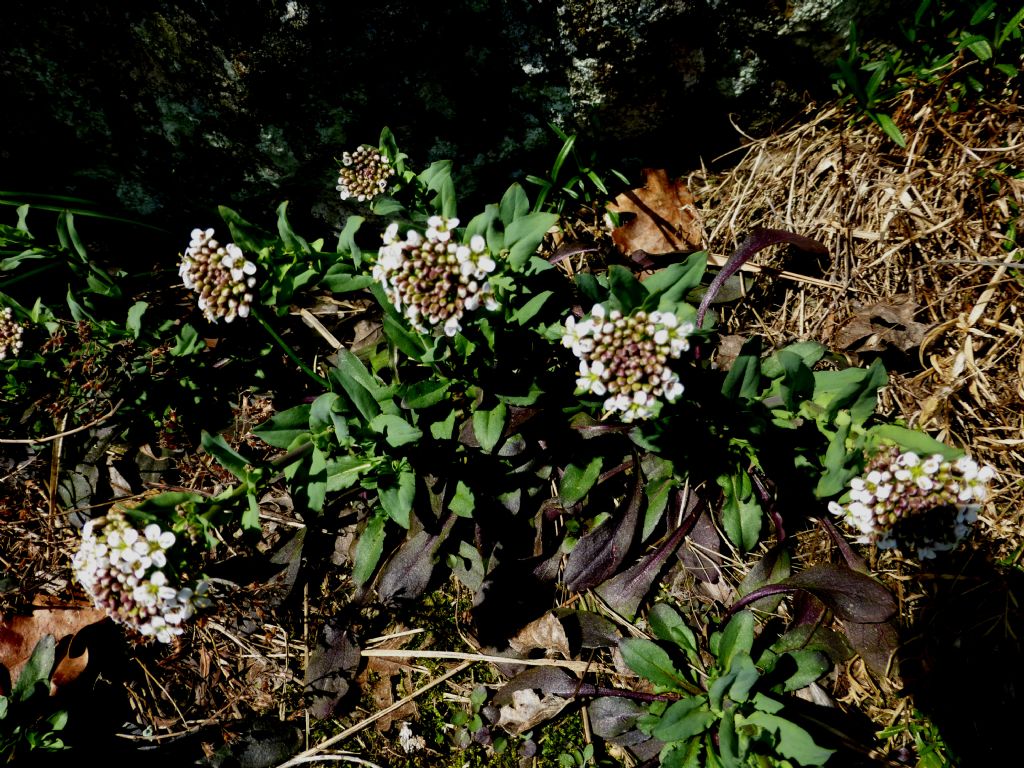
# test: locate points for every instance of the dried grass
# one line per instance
(928, 224)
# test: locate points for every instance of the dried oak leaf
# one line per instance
(546, 633)
(662, 216)
(528, 710)
(886, 323)
(20, 634)
(378, 680)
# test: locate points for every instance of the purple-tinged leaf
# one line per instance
(757, 240)
(765, 490)
(875, 642)
(332, 665)
(853, 560)
(549, 680)
(626, 591)
(613, 716)
(599, 553)
(770, 569)
(591, 630)
(565, 250)
(701, 555)
(408, 572)
(850, 595)
(814, 637)
(807, 609)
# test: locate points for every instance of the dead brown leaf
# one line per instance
(888, 323)
(378, 679)
(546, 633)
(662, 216)
(528, 710)
(20, 634)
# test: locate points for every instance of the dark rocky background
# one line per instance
(165, 109)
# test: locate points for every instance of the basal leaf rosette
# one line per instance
(627, 358)
(365, 174)
(10, 334)
(433, 279)
(128, 572)
(923, 504)
(220, 274)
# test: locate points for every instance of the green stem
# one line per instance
(291, 352)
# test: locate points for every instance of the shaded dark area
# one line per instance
(961, 659)
(169, 109)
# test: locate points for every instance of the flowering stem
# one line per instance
(289, 351)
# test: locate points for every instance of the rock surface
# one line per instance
(169, 108)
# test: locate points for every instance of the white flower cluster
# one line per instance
(123, 570)
(917, 503)
(10, 334)
(220, 274)
(432, 279)
(364, 174)
(626, 358)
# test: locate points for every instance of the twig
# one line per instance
(59, 435)
(301, 758)
(392, 653)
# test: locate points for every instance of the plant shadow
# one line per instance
(961, 658)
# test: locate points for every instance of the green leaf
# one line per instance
(794, 742)
(251, 513)
(481, 223)
(35, 675)
(292, 241)
(526, 313)
(369, 548)
(344, 471)
(240, 230)
(1012, 28)
(743, 379)
(676, 755)
(737, 637)
(669, 286)
(187, 342)
(226, 456)
(282, 429)
(626, 289)
(668, 625)
(889, 127)
(463, 502)
(424, 394)
(578, 480)
(488, 426)
(833, 480)
(68, 235)
(524, 235)
(396, 430)
(406, 341)
(358, 384)
(659, 482)
(347, 239)
(978, 45)
(134, 321)
(652, 662)
(746, 676)
(444, 429)
(397, 498)
(514, 204)
(339, 279)
(810, 666)
(685, 719)
(741, 513)
(912, 440)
